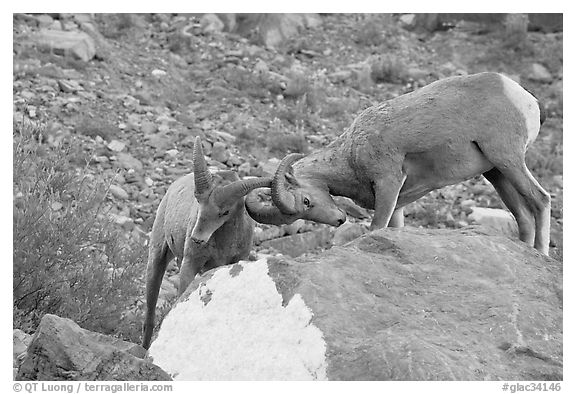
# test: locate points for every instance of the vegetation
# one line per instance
(69, 260)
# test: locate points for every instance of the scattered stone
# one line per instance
(348, 232)
(20, 341)
(227, 137)
(148, 127)
(173, 153)
(558, 180)
(274, 29)
(269, 167)
(219, 152)
(56, 206)
(244, 169)
(261, 67)
(118, 192)
(210, 23)
(158, 73)
(160, 142)
(124, 221)
(298, 244)
(498, 219)
(116, 146)
(468, 204)
(44, 21)
(62, 350)
(340, 76)
(144, 98)
(68, 86)
(294, 228)
(539, 73)
(127, 161)
(261, 235)
(351, 208)
(416, 74)
(83, 18)
(234, 160)
(408, 20)
(75, 43)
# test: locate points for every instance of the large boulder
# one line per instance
(394, 304)
(61, 350)
(272, 29)
(75, 43)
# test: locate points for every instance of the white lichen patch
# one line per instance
(242, 333)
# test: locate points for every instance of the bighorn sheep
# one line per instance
(397, 151)
(201, 221)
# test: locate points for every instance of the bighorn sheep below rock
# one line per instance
(202, 222)
(397, 151)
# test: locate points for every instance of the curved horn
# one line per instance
(236, 190)
(202, 177)
(281, 197)
(266, 214)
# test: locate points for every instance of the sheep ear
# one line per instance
(202, 177)
(291, 178)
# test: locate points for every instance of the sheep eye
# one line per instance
(306, 202)
(225, 213)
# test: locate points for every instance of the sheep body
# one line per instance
(398, 151)
(202, 222)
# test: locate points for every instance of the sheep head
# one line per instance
(294, 199)
(219, 196)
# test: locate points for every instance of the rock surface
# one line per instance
(395, 304)
(497, 219)
(61, 350)
(75, 43)
(297, 244)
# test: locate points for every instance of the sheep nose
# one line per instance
(341, 222)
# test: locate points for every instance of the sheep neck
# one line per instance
(329, 167)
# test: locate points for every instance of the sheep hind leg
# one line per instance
(538, 201)
(158, 259)
(515, 203)
(510, 162)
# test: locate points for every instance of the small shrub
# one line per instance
(516, 30)
(179, 43)
(298, 85)
(370, 33)
(281, 142)
(387, 69)
(114, 25)
(68, 258)
(96, 127)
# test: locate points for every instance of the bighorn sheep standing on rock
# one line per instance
(202, 222)
(397, 151)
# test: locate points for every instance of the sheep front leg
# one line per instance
(192, 262)
(397, 219)
(386, 191)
